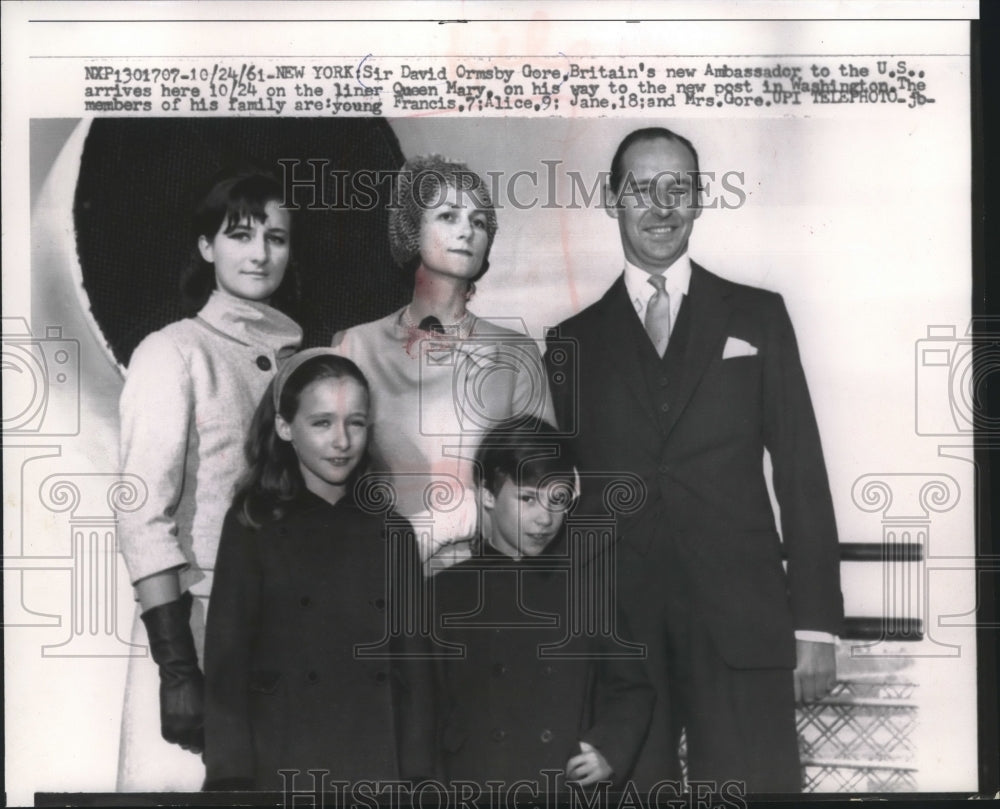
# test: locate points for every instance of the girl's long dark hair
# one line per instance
(273, 479)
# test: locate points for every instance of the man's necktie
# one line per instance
(657, 320)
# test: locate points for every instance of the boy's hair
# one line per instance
(530, 453)
(273, 478)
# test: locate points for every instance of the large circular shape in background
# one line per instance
(137, 181)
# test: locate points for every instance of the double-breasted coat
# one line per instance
(526, 690)
(302, 670)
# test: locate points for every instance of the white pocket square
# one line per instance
(735, 347)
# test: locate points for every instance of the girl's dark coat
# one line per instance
(288, 684)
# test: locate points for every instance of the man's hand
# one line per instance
(589, 767)
(816, 670)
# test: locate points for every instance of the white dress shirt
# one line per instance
(678, 278)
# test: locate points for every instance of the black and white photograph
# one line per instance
(433, 405)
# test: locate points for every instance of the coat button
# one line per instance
(665, 407)
(312, 677)
(499, 734)
(263, 363)
(305, 601)
(545, 736)
(378, 603)
(664, 469)
(381, 677)
(499, 669)
(547, 671)
(664, 382)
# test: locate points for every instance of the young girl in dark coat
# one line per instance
(302, 670)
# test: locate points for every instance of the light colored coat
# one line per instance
(190, 393)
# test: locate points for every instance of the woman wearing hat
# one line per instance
(440, 376)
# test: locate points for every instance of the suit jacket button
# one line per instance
(378, 603)
(546, 671)
(499, 735)
(545, 736)
(499, 669)
(664, 469)
(664, 382)
(305, 601)
(665, 407)
(381, 677)
(312, 677)
(263, 363)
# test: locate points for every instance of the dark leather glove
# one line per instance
(182, 686)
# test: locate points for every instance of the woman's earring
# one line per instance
(470, 291)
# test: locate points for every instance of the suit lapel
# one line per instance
(620, 352)
(708, 317)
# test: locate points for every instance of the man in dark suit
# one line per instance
(684, 379)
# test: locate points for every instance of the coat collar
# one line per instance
(555, 549)
(305, 500)
(251, 323)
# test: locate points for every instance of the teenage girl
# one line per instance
(189, 396)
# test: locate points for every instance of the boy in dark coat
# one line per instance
(532, 691)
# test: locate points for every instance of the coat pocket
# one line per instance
(264, 682)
